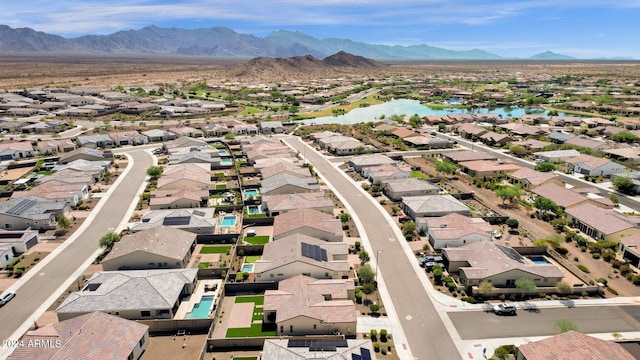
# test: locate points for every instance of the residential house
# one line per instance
(501, 265)
(47, 147)
(288, 168)
(488, 168)
(358, 163)
(274, 205)
(128, 138)
(433, 205)
(562, 196)
(564, 121)
(161, 247)
(471, 131)
(396, 189)
(271, 127)
(158, 135)
(421, 142)
(630, 249)
(195, 220)
(18, 241)
(288, 184)
(177, 177)
(216, 130)
(187, 197)
(71, 193)
(16, 150)
(132, 294)
(402, 133)
(601, 224)
(523, 130)
(572, 345)
(584, 141)
(531, 145)
(93, 336)
(454, 230)
(629, 154)
(31, 212)
(314, 223)
(556, 155)
(6, 255)
(95, 141)
(82, 153)
(301, 254)
(81, 167)
(593, 166)
(534, 119)
(491, 138)
(529, 178)
(212, 159)
(303, 305)
(284, 162)
(467, 155)
(385, 172)
(184, 142)
(633, 175)
(266, 151)
(560, 137)
(329, 349)
(187, 131)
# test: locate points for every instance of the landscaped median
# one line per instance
(257, 328)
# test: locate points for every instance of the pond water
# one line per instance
(410, 107)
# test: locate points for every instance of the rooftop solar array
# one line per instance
(510, 253)
(314, 252)
(198, 213)
(317, 344)
(176, 220)
(21, 207)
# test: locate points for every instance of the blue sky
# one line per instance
(510, 28)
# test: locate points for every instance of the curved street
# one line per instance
(35, 291)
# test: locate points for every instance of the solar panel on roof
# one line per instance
(317, 344)
(510, 253)
(198, 213)
(176, 221)
(366, 354)
(356, 357)
(21, 207)
(314, 252)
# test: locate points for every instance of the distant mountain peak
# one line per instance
(550, 55)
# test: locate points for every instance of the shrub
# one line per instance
(374, 308)
(603, 281)
(584, 269)
(636, 280)
(374, 335)
(595, 256)
(625, 269)
(18, 273)
(562, 251)
(612, 290)
(469, 299)
(608, 256)
(383, 335)
(376, 347)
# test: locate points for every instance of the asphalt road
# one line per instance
(425, 332)
(591, 319)
(35, 291)
(624, 199)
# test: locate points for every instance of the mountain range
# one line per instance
(224, 42)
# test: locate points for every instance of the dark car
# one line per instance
(404, 218)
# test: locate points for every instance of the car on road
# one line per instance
(504, 309)
(6, 297)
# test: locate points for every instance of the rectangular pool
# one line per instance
(228, 220)
(223, 153)
(201, 309)
(251, 192)
(253, 209)
(539, 260)
(247, 267)
(226, 162)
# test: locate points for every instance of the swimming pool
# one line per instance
(226, 162)
(228, 220)
(539, 260)
(251, 192)
(223, 153)
(247, 268)
(254, 209)
(201, 309)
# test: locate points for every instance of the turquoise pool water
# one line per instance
(539, 260)
(253, 209)
(229, 220)
(251, 192)
(226, 162)
(223, 153)
(247, 268)
(201, 309)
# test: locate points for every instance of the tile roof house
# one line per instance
(601, 224)
(360, 162)
(531, 144)
(630, 249)
(395, 189)
(133, 294)
(467, 155)
(184, 142)
(495, 139)
(301, 254)
(176, 177)
(186, 197)
(161, 247)
(285, 162)
(403, 133)
(285, 349)
(128, 138)
(16, 150)
(303, 305)
(187, 131)
(288, 168)
(93, 336)
(566, 198)
(82, 153)
(593, 166)
(72, 193)
(31, 212)
(488, 168)
(587, 142)
(196, 157)
(572, 345)
(194, 220)
(433, 205)
(309, 222)
(499, 264)
(530, 178)
(559, 137)
(158, 135)
(288, 184)
(95, 141)
(454, 230)
(385, 172)
(428, 142)
(19, 241)
(556, 155)
(280, 204)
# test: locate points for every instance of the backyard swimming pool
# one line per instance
(223, 153)
(247, 268)
(201, 309)
(228, 220)
(539, 260)
(225, 162)
(251, 192)
(254, 209)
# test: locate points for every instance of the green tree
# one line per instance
(154, 171)
(510, 193)
(366, 274)
(545, 204)
(446, 167)
(415, 121)
(63, 222)
(109, 239)
(518, 150)
(229, 136)
(364, 257)
(512, 223)
(563, 288)
(408, 227)
(545, 166)
(344, 217)
(564, 325)
(486, 288)
(624, 185)
(614, 199)
(525, 286)
(624, 136)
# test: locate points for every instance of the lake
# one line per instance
(410, 107)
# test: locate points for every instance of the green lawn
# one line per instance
(257, 314)
(257, 240)
(418, 174)
(250, 110)
(203, 265)
(251, 259)
(221, 186)
(258, 300)
(255, 330)
(221, 249)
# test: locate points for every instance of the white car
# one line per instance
(6, 296)
(504, 309)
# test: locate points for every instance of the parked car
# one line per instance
(429, 265)
(404, 218)
(6, 297)
(504, 309)
(425, 259)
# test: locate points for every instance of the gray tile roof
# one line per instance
(161, 240)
